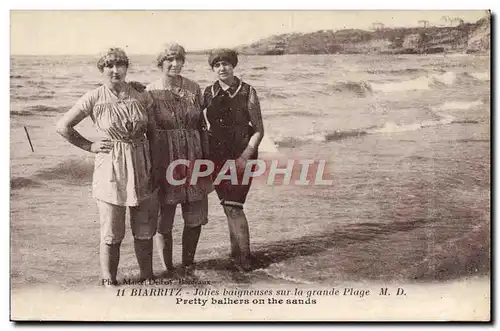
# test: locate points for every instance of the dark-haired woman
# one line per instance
(236, 130)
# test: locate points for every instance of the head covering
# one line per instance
(113, 55)
(170, 50)
(223, 54)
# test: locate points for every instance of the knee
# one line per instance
(233, 211)
(143, 228)
(145, 236)
(145, 232)
(110, 240)
(143, 241)
(192, 228)
(165, 229)
(112, 229)
(112, 235)
(164, 235)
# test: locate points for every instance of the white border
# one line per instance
(255, 4)
(222, 4)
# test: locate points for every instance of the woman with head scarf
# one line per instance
(179, 121)
(123, 174)
(236, 130)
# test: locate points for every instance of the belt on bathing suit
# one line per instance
(139, 140)
(134, 142)
(168, 130)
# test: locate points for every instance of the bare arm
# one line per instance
(65, 127)
(257, 123)
(203, 126)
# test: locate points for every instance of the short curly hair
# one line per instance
(170, 50)
(113, 55)
(223, 54)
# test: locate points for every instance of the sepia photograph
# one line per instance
(250, 165)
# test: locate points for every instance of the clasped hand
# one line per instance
(101, 146)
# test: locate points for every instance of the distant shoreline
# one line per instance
(465, 38)
(468, 38)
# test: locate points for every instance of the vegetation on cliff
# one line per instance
(457, 37)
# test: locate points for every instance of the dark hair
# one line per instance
(223, 54)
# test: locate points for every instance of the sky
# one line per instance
(143, 32)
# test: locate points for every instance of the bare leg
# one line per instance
(239, 235)
(109, 258)
(112, 219)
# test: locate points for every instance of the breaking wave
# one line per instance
(442, 118)
(460, 105)
(74, 172)
(17, 183)
(39, 110)
(427, 82)
(361, 88)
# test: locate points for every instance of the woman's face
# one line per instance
(224, 70)
(172, 66)
(115, 72)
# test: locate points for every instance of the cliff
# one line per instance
(479, 40)
(465, 37)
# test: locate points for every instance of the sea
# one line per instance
(406, 139)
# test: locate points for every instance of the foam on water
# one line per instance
(420, 83)
(360, 88)
(460, 105)
(427, 82)
(482, 76)
(391, 127)
(267, 145)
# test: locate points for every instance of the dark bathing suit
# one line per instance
(230, 132)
